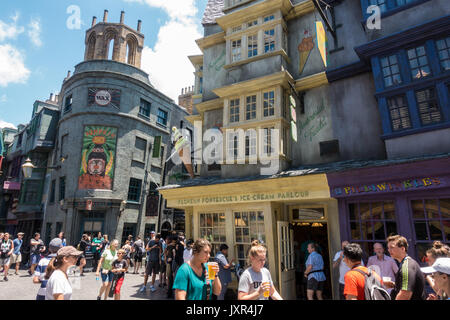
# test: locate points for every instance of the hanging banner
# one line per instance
(321, 41)
(98, 156)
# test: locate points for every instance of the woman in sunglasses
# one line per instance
(119, 267)
(440, 272)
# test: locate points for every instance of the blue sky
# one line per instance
(40, 41)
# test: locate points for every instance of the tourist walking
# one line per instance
(440, 272)
(192, 281)
(224, 269)
(105, 266)
(256, 282)
(355, 279)
(84, 246)
(162, 272)
(187, 254)
(128, 249)
(409, 280)
(63, 239)
(139, 250)
(58, 285)
(314, 273)
(438, 250)
(39, 273)
(105, 244)
(96, 246)
(119, 268)
(16, 257)
(169, 257)
(386, 267)
(37, 248)
(153, 264)
(6, 251)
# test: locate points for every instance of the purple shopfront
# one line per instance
(411, 199)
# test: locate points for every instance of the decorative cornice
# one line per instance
(310, 82)
(404, 38)
(280, 52)
(209, 105)
(211, 40)
(194, 117)
(196, 59)
(280, 78)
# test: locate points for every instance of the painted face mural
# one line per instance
(98, 155)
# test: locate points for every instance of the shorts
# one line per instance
(35, 258)
(16, 258)
(315, 285)
(152, 266)
(5, 261)
(163, 267)
(137, 258)
(107, 277)
(119, 285)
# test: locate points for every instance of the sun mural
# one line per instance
(97, 162)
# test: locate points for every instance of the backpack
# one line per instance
(373, 289)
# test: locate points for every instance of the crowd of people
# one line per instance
(186, 271)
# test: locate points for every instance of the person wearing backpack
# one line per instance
(361, 283)
(139, 250)
(6, 250)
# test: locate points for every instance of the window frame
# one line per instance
(143, 110)
(234, 110)
(158, 117)
(134, 190)
(269, 40)
(237, 225)
(208, 232)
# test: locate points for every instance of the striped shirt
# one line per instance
(410, 278)
(40, 273)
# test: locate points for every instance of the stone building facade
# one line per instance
(113, 137)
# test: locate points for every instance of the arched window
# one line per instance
(110, 49)
(131, 49)
(91, 47)
(110, 43)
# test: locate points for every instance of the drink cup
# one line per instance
(386, 279)
(266, 293)
(211, 270)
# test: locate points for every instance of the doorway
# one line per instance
(305, 233)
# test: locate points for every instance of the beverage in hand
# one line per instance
(211, 270)
(266, 293)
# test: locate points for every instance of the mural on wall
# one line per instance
(304, 49)
(218, 63)
(104, 97)
(98, 155)
(314, 123)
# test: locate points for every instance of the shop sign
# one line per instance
(387, 187)
(104, 97)
(250, 197)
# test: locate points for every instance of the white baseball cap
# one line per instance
(441, 265)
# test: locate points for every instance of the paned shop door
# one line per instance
(286, 266)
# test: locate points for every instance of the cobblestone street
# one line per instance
(21, 287)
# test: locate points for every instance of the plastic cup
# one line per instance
(385, 279)
(266, 293)
(211, 270)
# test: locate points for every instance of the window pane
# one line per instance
(391, 228)
(377, 210)
(353, 210)
(421, 230)
(355, 229)
(445, 208)
(364, 210)
(417, 207)
(431, 208)
(389, 210)
(379, 230)
(367, 230)
(436, 230)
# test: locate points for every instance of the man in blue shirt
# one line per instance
(314, 273)
(17, 255)
(224, 269)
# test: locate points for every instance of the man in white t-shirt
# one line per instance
(338, 261)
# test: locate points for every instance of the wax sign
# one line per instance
(104, 97)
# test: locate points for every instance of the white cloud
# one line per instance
(10, 31)
(34, 32)
(167, 62)
(12, 66)
(3, 98)
(4, 124)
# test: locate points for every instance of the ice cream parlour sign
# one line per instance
(104, 97)
(242, 198)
